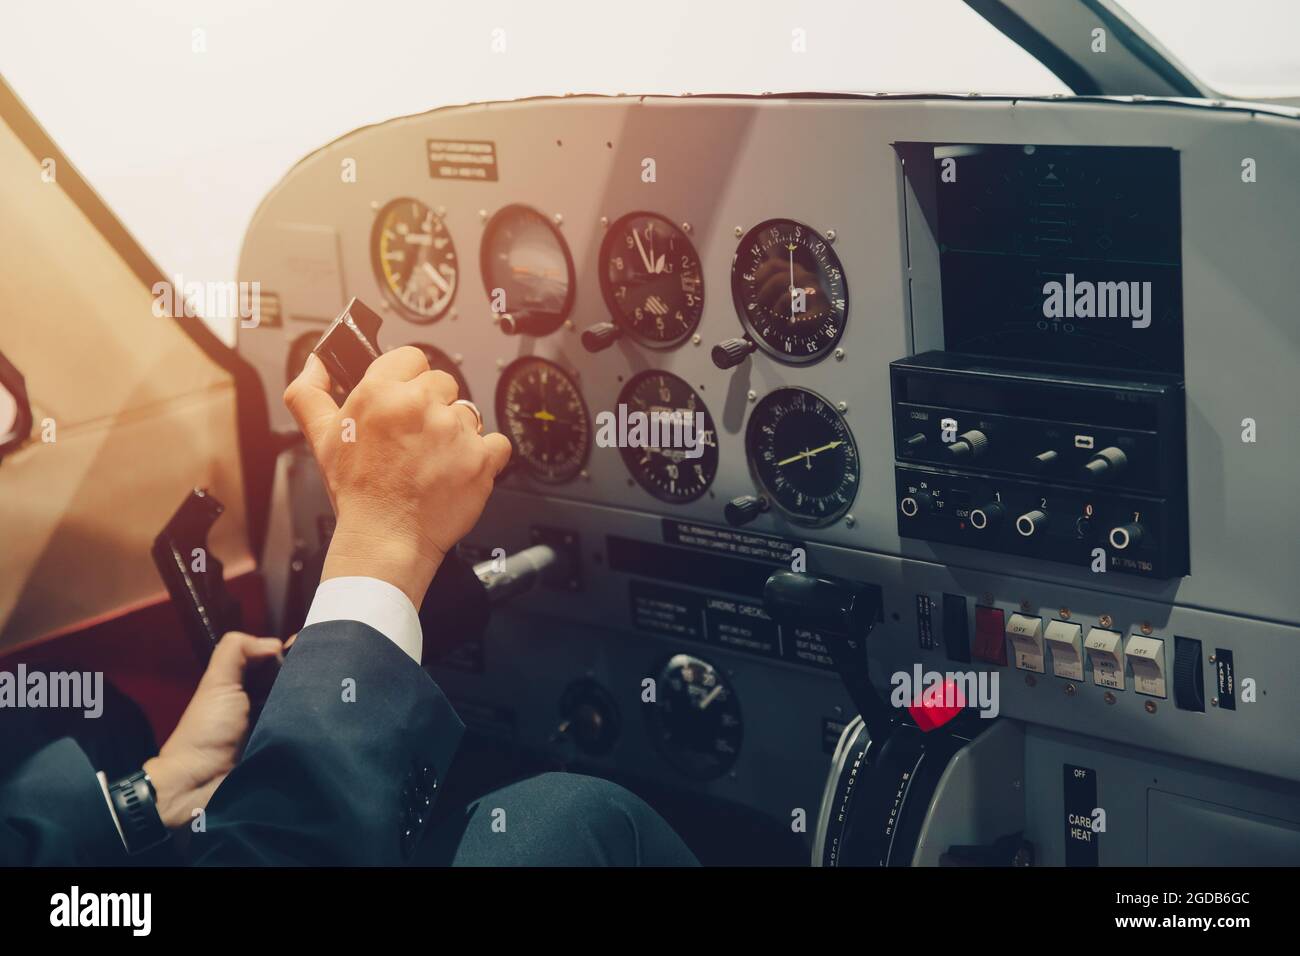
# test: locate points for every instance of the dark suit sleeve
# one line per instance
(53, 812)
(344, 764)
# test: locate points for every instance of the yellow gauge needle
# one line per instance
(808, 454)
(545, 416)
(710, 697)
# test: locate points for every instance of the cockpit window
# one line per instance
(182, 115)
(1244, 49)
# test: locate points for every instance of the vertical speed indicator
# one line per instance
(790, 291)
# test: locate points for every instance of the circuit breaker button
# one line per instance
(1026, 636)
(990, 635)
(1146, 655)
(1106, 651)
(1066, 643)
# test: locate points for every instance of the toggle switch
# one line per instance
(1026, 636)
(1106, 651)
(1066, 643)
(1146, 655)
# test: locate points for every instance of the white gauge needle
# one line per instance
(791, 248)
(645, 259)
(708, 698)
(436, 276)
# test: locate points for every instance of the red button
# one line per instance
(990, 635)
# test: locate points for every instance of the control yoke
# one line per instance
(460, 597)
(843, 613)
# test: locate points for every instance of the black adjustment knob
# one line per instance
(969, 444)
(743, 510)
(1031, 523)
(1106, 463)
(524, 322)
(732, 352)
(600, 337)
(1189, 680)
(1126, 536)
(913, 505)
(987, 517)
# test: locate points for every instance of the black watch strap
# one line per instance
(136, 806)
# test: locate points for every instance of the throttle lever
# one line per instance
(843, 613)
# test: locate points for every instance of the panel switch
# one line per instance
(1106, 651)
(1146, 655)
(1026, 636)
(990, 635)
(1066, 642)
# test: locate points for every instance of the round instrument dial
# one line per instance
(695, 720)
(414, 259)
(675, 457)
(527, 270)
(541, 411)
(803, 455)
(651, 278)
(790, 291)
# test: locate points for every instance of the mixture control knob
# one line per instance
(987, 517)
(1031, 522)
(969, 444)
(732, 352)
(1047, 460)
(600, 337)
(1125, 536)
(743, 510)
(1106, 463)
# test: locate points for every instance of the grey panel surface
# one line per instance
(724, 164)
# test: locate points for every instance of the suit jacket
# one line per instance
(342, 768)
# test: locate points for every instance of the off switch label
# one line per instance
(1080, 806)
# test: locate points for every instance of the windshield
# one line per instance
(1245, 49)
(183, 115)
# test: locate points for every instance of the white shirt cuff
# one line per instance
(372, 602)
(112, 811)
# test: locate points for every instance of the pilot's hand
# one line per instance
(406, 469)
(207, 743)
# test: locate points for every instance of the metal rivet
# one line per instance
(1212, 659)
(1071, 690)
(458, 359)
(850, 521)
(752, 396)
(1146, 627)
(738, 231)
(1065, 614)
(604, 221)
(559, 219)
(374, 204)
(1105, 620)
(482, 214)
(695, 340)
(1109, 697)
(1214, 702)
(830, 235)
(839, 354)
(687, 227)
(1151, 707)
(842, 406)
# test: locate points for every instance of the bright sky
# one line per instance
(183, 143)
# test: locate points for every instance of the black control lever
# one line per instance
(732, 352)
(459, 600)
(193, 574)
(601, 336)
(526, 322)
(843, 613)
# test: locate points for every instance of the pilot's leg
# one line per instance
(558, 819)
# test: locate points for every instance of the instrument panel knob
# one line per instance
(987, 517)
(969, 444)
(744, 509)
(915, 504)
(1031, 522)
(601, 336)
(1106, 463)
(1126, 536)
(732, 352)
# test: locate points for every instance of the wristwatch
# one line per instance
(135, 803)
